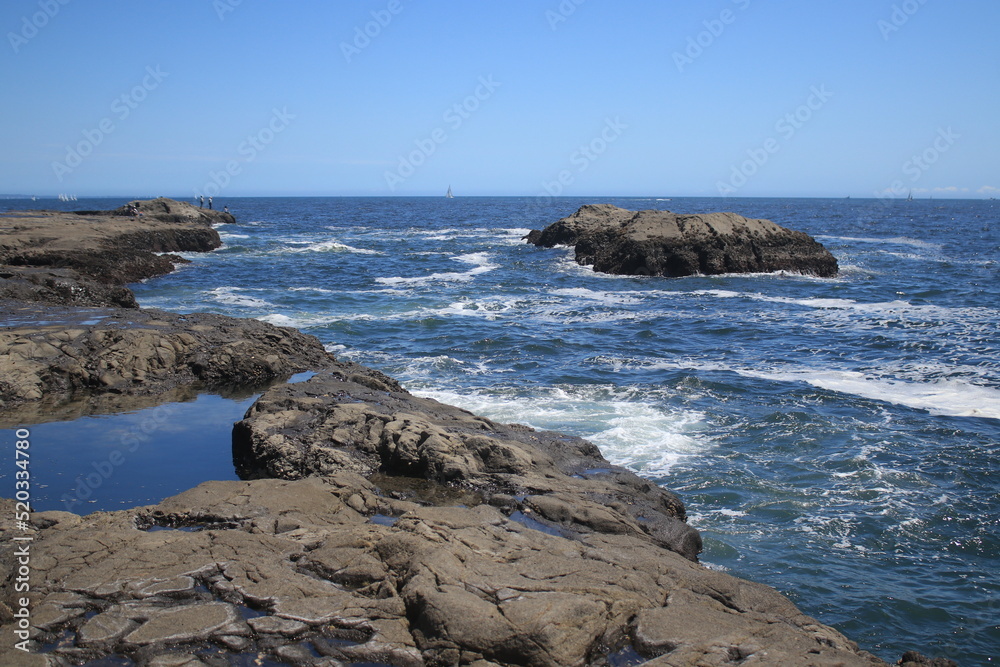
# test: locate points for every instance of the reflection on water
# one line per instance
(129, 459)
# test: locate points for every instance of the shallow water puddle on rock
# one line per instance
(535, 524)
(625, 657)
(383, 519)
(129, 459)
(425, 491)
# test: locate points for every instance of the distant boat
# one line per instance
(449, 195)
(909, 197)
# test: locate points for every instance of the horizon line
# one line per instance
(61, 196)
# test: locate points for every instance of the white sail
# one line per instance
(449, 195)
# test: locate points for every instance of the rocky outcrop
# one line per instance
(64, 287)
(51, 355)
(169, 210)
(110, 247)
(660, 243)
(355, 419)
(332, 571)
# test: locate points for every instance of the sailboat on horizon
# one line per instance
(449, 195)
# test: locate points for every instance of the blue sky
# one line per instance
(572, 97)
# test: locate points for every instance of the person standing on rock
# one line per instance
(201, 201)
(225, 209)
(209, 203)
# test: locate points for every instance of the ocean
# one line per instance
(837, 439)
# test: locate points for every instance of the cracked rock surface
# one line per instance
(310, 572)
(402, 532)
(353, 418)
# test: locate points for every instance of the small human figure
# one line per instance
(201, 201)
(225, 209)
(209, 203)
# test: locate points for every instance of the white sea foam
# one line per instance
(895, 240)
(518, 232)
(630, 432)
(814, 302)
(946, 396)
(279, 320)
(333, 245)
(231, 296)
(607, 298)
(914, 256)
(896, 307)
(442, 364)
(480, 261)
(301, 321)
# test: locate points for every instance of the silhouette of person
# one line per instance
(201, 201)
(209, 203)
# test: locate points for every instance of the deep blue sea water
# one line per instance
(836, 439)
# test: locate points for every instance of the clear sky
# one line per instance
(500, 97)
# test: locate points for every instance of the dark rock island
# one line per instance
(660, 243)
(370, 527)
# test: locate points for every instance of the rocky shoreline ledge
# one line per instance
(371, 526)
